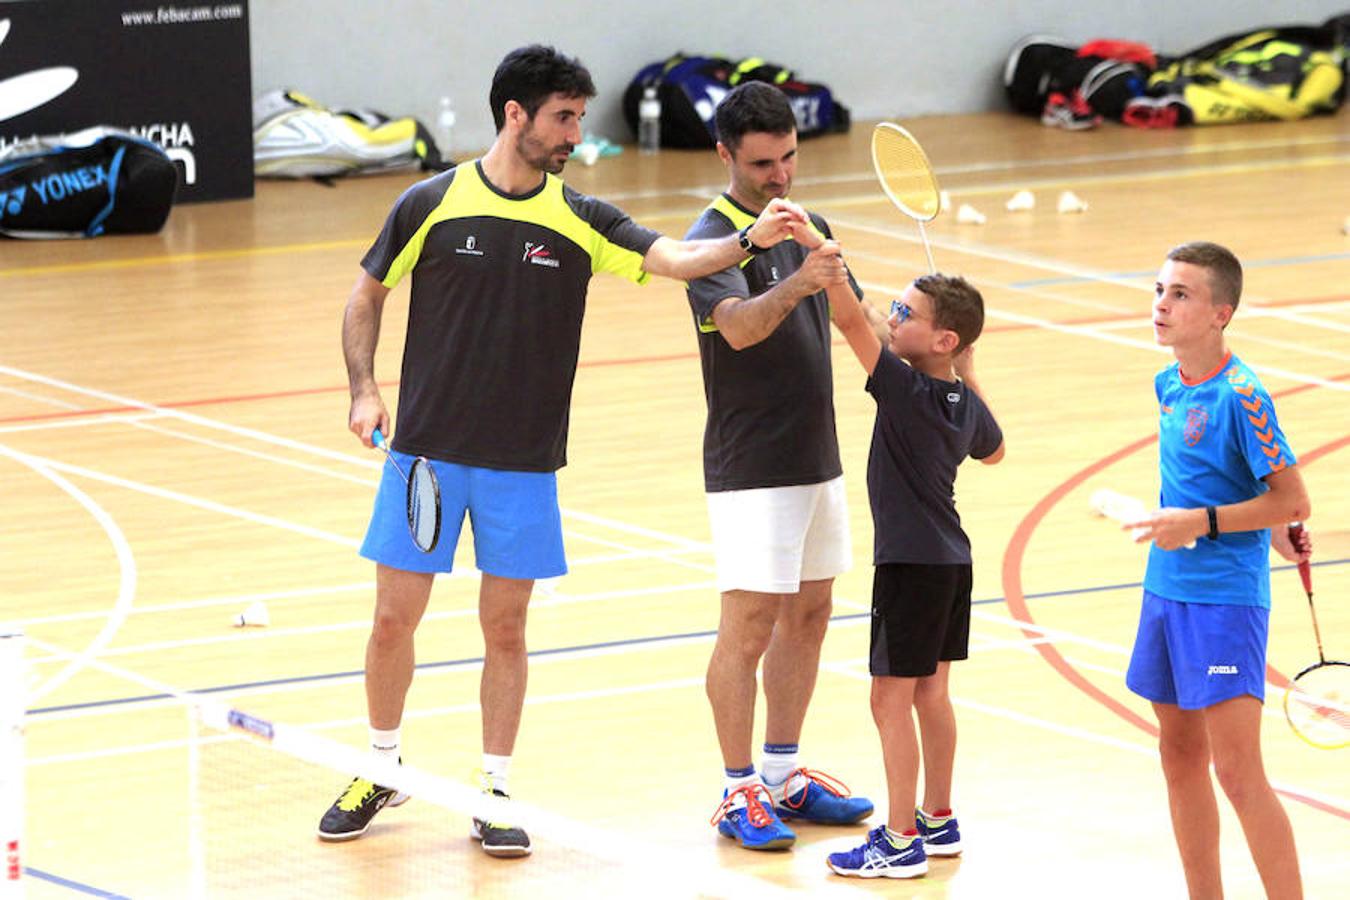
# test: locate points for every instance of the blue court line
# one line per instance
(557, 651)
(1150, 273)
(73, 885)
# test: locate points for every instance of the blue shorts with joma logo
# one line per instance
(1195, 655)
(517, 526)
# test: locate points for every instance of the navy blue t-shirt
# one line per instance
(925, 427)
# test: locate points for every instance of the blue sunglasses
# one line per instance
(901, 311)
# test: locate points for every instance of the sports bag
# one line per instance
(93, 182)
(295, 137)
(690, 87)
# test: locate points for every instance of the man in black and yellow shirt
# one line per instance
(772, 473)
(501, 253)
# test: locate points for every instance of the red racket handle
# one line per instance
(1304, 567)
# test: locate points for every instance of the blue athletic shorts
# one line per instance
(1195, 655)
(517, 527)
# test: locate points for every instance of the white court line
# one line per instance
(683, 869)
(857, 671)
(108, 419)
(238, 635)
(126, 562)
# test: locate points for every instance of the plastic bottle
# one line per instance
(445, 128)
(649, 122)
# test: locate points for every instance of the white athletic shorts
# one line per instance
(770, 540)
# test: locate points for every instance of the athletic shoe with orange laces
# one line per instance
(813, 796)
(744, 817)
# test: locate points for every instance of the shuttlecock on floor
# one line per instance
(944, 201)
(1021, 201)
(254, 614)
(969, 215)
(1069, 202)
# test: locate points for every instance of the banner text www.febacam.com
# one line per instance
(181, 15)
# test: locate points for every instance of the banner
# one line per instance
(177, 75)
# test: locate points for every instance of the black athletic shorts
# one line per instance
(920, 616)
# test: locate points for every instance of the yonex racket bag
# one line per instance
(96, 181)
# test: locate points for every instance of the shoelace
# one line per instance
(351, 799)
(754, 809)
(828, 782)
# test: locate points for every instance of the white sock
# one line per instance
(385, 743)
(778, 763)
(496, 770)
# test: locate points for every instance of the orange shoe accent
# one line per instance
(828, 782)
(755, 811)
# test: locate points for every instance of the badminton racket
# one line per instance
(424, 497)
(1317, 701)
(907, 177)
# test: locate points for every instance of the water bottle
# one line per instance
(649, 122)
(445, 128)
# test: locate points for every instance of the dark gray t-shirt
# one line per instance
(925, 427)
(771, 405)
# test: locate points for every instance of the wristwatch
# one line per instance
(748, 245)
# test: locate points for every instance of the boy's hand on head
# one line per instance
(964, 362)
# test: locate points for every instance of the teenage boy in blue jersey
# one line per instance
(1230, 483)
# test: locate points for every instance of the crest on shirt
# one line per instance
(1196, 417)
(539, 255)
(470, 247)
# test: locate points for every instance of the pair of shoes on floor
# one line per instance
(350, 816)
(753, 815)
(882, 856)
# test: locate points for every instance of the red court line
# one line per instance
(1017, 604)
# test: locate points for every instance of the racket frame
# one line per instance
(420, 464)
(920, 218)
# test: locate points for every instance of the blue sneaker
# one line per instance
(744, 817)
(816, 797)
(880, 858)
(941, 836)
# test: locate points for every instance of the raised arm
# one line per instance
(749, 320)
(964, 364)
(687, 260)
(360, 335)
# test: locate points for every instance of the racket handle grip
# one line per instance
(377, 438)
(1304, 567)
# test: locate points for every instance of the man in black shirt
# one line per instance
(501, 253)
(772, 473)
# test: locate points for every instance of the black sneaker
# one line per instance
(498, 839)
(350, 815)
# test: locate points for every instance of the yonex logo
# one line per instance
(1222, 670)
(539, 255)
(469, 248)
(28, 91)
(954, 397)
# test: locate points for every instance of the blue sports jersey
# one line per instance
(1217, 439)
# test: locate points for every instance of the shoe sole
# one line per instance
(503, 851)
(910, 872)
(942, 849)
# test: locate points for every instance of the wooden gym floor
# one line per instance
(173, 442)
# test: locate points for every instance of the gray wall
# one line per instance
(895, 59)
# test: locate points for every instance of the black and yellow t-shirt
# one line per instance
(771, 405)
(498, 293)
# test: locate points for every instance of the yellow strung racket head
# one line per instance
(1317, 705)
(904, 172)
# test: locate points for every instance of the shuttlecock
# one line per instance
(1021, 201)
(1116, 506)
(1069, 202)
(945, 201)
(589, 153)
(1345, 226)
(969, 215)
(254, 614)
